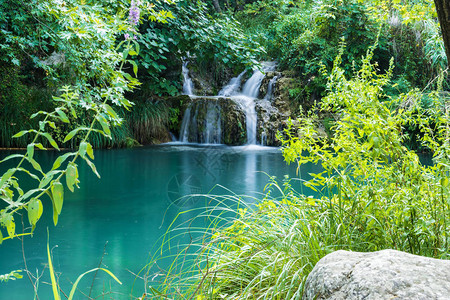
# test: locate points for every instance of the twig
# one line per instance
(25, 262)
(99, 265)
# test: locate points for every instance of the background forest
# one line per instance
(219, 40)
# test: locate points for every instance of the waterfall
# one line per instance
(188, 85)
(185, 124)
(248, 106)
(202, 123)
(202, 120)
(250, 92)
(270, 88)
(232, 88)
(264, 138)
(213, 126)
(251, 87)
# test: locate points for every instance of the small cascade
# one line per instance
(232, 88)
(250, 92)
(172, 137)
(269, 94)
(202, 120)
(202, 123)
(251, 87)
(264, 138)
(188, 85)
(248, 106)
(185, 124)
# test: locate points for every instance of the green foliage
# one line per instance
(396, 202)
(302, 40)
(217, 41)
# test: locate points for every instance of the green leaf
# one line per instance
(90, 151)
(50, 139)
(11, 157)
(52, 272)
(125, 54)
(71, 176)
(135, 67)
(91, 164)
(72, 134)
(104, 123)
(11, 228)
(19, 134)
(35, 164)
(6, 176)
(38, 113)
(47, 178)
(57, 196)
(83, 148)
(61, 159)
(62, 115)
(39, 145)
(29, 194)
(111, 111)
(8, 222)
(30, 151)
(136, 44)
(42, 125)
(55, 215)
(1, 237)
(29, 173)
(35, 210)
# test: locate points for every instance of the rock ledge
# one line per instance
(386, 274)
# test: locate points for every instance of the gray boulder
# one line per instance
(386, 274)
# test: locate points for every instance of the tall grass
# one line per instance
(148, 121)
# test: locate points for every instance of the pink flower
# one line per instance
(134, 12)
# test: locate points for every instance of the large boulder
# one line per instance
(386, 274)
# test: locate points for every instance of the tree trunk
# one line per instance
(217, 6)
(443, 12)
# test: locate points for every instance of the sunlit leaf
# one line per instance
(35, 210)
(50, 139)
(30, 151)
(71, 176)
(90, 151)
(57, 195)
(21, 133)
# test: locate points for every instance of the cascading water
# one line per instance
(232, 88)
(202, 121)
(251, 87)
(248, 106)
(188, 85)
(270, 88)
(250, 92)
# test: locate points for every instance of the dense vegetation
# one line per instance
(376, 69)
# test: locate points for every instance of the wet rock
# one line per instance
(265, 82)
(270, 121)
(386, 274)
(229, 121)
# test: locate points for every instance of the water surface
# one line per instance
(128, 209)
